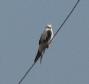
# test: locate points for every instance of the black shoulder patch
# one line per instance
(49, 33)
(48, 36)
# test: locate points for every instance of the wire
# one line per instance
(50, 41)
(65, 20)
(26, 73)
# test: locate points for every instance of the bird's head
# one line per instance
(49, 26)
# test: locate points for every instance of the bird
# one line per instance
(44, 42)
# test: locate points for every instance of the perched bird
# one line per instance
(44, 42)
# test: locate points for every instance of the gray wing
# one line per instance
(43, 37)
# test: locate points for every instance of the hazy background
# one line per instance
(21, 24)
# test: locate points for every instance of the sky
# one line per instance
(21, 25)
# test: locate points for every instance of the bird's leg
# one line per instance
(50, 45)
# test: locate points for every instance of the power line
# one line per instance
(50, 41)
(26, 73)
(65, 20)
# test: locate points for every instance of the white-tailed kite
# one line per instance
(45, 38)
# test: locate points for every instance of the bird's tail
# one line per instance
(37, 56)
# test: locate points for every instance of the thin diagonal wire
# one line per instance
(65, 20)
(50, 41)
(26, 73)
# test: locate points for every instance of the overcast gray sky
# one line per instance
(21, 24)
